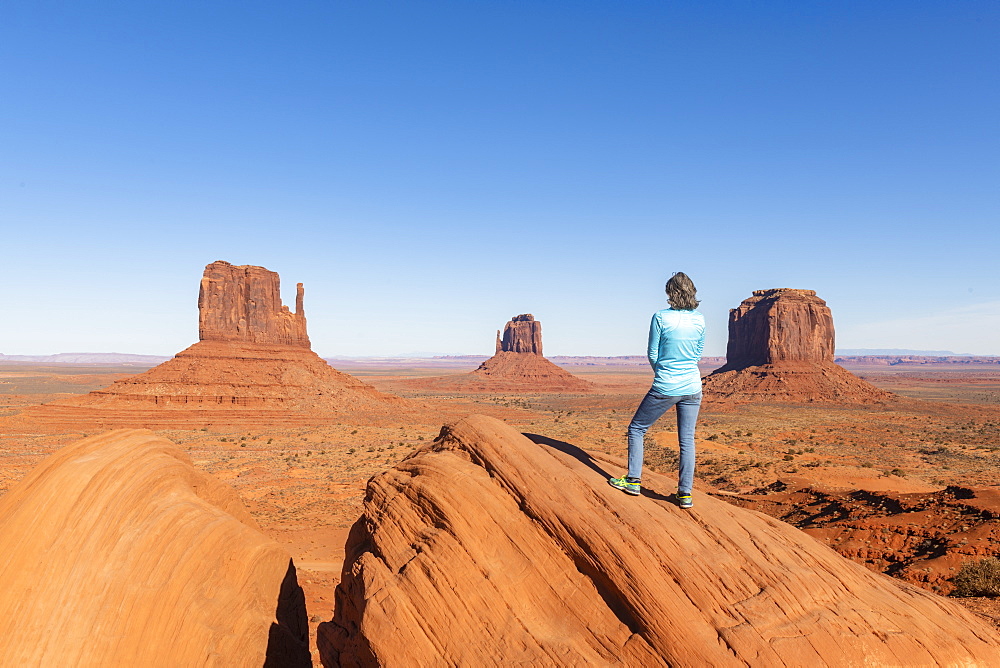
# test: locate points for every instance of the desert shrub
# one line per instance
(978, 578)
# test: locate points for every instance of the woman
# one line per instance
(676, 339)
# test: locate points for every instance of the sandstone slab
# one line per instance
(487, 548)
(118, 552)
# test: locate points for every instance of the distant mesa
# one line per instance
(118, 552)
(533, 559)
(517, 366)
(781, 345)
(253, 365)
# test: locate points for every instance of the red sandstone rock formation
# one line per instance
(485, 548)
(517, 366)
(782, 325)
(522, 334)
(118, 552)
(781, 346)
(243, 303)
(252, 366)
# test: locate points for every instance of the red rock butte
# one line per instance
(533, 559)
(517, 366)
(118, 552)
(781, 344)
(252, 366)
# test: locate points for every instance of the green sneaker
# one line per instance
(684, 499)
(624, 485)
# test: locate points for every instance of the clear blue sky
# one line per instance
(429, 169)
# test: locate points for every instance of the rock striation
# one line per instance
(487, 548)
(781, 347)
(517, 366)
(118, 552)
(243, 303)
(522, 334)
(252, 366)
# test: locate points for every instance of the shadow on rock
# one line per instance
(288, 637)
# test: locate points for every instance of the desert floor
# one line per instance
(305, 486)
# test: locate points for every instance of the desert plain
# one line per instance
(894, 472)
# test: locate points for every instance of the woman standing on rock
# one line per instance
(676, 339)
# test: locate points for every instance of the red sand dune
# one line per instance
(487, 548)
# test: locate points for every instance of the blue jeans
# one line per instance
(653, 406)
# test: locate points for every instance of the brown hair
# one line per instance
(681, 292)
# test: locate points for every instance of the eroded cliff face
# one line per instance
(522, 334)
(782, 325)
(490, 548)
(243, 303)
(118, 552)
(781, 345)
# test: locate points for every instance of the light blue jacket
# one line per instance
(676, 339)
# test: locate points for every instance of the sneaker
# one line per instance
(624, 485)
(684, 499)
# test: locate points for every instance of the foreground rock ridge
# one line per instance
(118, 552)
(487, 548)
(243, 303)
(781, 347)
(253, 365)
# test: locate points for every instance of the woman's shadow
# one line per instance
(584, 457)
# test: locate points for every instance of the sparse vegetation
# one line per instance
(978, 578)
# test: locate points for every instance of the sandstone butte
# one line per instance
(118, 552)
(781, 345)
(252, 365)
(487, 548)
(517, 366)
